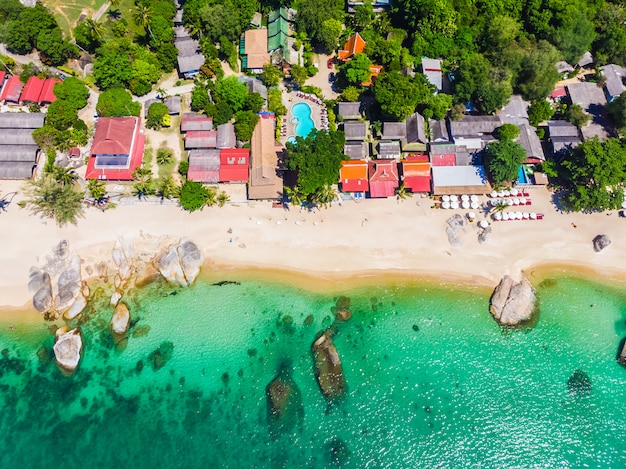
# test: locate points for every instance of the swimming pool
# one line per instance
(302, 118)
(522, 177)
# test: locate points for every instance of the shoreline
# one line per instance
(344, 246)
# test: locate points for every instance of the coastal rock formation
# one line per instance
(342, 309)
(454, 229)
(328, 369)
(621, 356)
(123, 254)
(67, 349)
(284, 402)
(120, 320)
(484, 235)
(115, 298)
(41, 284)
(180, 265)
(77, 307)
(601, 242)
(512, 302)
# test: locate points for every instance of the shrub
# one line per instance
(154, 118)
(193, 196)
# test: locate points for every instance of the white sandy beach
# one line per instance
(372, 237)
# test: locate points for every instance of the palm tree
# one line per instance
(222, 198)
(325, 196)
(294, 194)
(46, 197)
(167, 187)
(402, 192)
(96, 188)
(142, 16)
(66, 176)
(161, 93)
(143, 181)
(164, 156)
(211, 196)
(95, 28)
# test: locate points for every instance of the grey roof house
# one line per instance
(614, 75)
(355, 130)
(356, 150)
(18, 150)
(389, 150)
(349, 110)
(226, 136)
(563, 135)
(411, 133)
(474, 132)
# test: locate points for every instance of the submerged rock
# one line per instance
(601, 242)
(120, 320)
(512, 302)
(339, 452)
(180, 265)
(328, 369)
(579, 383)
(161, 355)
(621, 356)
(67, 349)
(284, 402)
(342, 309)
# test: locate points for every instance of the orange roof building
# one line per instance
(416, 174)
(354, 45)
(353, 176)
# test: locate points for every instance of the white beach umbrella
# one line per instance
(493, 202)
(518, 215)
(514, 192)
(515, 201)
(507, 193)
(497, 216)
(471, 215)
(494, 194)
(522, 200)
(446, 198)
(474, 205)
(465, 204)
(509, 202)
(465, 198)
(454, 205)
(526, 215)
(505, 216)
(624, 204)
(474, 198)
(501, 194)
(533, 216)
(483, 223)
(445, 204)
(454, 198)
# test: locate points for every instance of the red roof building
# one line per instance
(117, 149)
(354, 45)
(442, 154)
(47, 95)
(12, 90)
(384, 179)
(234, 164)
(193, 121)
(416, 175)
(2, 76)
(32, 90)
(201, 139)
(204, 166)
(353, 176)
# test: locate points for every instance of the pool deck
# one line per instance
(288, 127)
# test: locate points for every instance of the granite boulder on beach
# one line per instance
(512, 302)
(180, 264)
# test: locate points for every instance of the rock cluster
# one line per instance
(601, 242)
(328, 369)
(67, 348)
(454, 230)
(180, 265)
(120, 320)
(512, 302)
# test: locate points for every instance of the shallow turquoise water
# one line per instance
(304, 125)
(432, 382)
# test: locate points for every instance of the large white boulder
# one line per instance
(67, 349)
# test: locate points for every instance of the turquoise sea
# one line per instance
(432, 381)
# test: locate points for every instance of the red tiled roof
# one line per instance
(201, 139)
(47, 95)
(447, 159)
(12, 90)
(234, 164)
(2, 75)
(201, 174)
(417, 183)
(354, 45)
(119, 174)
(375, 71)
(353, 176)
(114, 135)
(383, 178)
(191, 121)
(32, 90)
(559, 93)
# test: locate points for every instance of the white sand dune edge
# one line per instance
(373, 237)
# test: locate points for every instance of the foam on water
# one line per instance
(432, 381)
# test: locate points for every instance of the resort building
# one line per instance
(356, 150)
(354, 45)
(388, 150)
(474, 132)
(432, 69)
(355, 130)
(190, 58)
(563, 135)
(193, 121)
(12, 90)
(459, 180)
(265, 179)
(226, 136)
(117, 149)
(18, 150)
(591, 98)
(253, 48)
(377, 5)
(200, 139)
(256, 86)
(531, 143)
(39, 91)
(349, 111)
(411, 133)
(204, 166)
(442, 154)
(280, 40)
(383, 176)
(353, 177)
(171, 102)
(614, 75)
(439, 131)
(234, 165)
(415, 174)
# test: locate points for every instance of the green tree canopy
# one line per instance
(594, 174)
(317, 159)
(154, 117)
(576, 115)
(117, 102)
(232, 92)
(507, 132)
(313, 13)
(271, 75)
(539, 111)
(329, 34)
(399, 94)
(51, 199)
(245, 121)
(356, 71)
(193, 196)
(503, 159)
(73, 91)
(538, 73)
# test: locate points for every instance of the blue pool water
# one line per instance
(522, 178)
(302, 118)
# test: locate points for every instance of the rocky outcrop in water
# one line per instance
(621, 355)
(67, 348)
(284, 402)
(180, 265)
(579, 383)
(328, 369)
(601, 242)
(512, 302)
(120, 320)
(342, 309)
